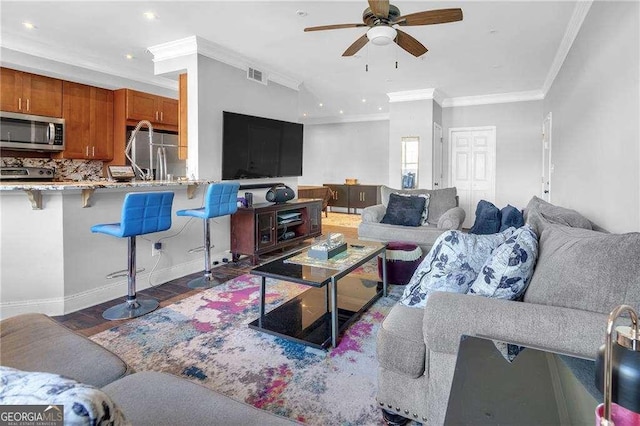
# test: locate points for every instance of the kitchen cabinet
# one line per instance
(265, 227)
(30, 93)
(354, 196)
(182, 119)
(88, 114)
(153, 108)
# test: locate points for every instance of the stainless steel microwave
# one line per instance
(31, 132)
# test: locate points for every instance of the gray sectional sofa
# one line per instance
(444, 214)
(37, 343)
(580, 276)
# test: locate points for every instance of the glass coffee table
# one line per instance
(334, 299)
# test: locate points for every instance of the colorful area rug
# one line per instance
(205, 338)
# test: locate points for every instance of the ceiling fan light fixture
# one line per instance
(381, 35)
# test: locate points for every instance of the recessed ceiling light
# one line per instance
(150, 16)
(364, 100)
(320, 104)
(301, 13)
(379, 108)
(341, 112)
(28, 25)
(304, 114)
(128, 56)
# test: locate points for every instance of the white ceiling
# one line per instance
(499, 47)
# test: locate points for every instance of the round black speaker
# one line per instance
(280, 194)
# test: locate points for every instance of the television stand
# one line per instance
(266, 227)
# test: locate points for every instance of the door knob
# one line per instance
(546, 191)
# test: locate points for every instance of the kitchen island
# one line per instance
(50, 262)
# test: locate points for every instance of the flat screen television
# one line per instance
(257, 147)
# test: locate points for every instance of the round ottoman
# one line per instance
(402, 261)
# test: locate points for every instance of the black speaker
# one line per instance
(280, 194)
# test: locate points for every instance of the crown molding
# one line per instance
(347, 119)
(50, 53)
(498, 98)
(575, 23)
(198, 45)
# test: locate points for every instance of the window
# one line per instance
(410, 162)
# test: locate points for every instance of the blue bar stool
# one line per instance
(142, 213)
(220, 200)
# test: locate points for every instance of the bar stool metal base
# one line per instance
(205, 281)
(128, 309)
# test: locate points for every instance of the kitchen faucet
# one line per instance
(127, 151)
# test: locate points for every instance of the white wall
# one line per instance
(414, 118)
(595, 105)
(334, 152)
(518, 145)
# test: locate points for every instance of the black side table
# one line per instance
(537, 388)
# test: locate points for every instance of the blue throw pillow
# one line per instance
(507, 272)
(403, 210)
(510, 216)
(487, 219)
(452, 265)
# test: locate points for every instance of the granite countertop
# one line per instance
(9, 185)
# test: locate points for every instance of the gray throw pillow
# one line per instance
(584, 269)
(539, 213)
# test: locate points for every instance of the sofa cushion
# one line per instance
(452, 265)
(404, 210)
(584, 269)
(487, 219)
(507, 272)
(510, 217)
(440, 200)
(538, 213)
(83, 404)
(35, 342)
(400, 345)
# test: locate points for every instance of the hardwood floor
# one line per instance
(89, 321)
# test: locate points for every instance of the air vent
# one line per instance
(256, 75)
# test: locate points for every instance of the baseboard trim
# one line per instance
(74, 302)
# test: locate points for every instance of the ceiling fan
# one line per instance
(381, 17)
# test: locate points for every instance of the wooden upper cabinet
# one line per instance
(30, 93)
(182, 119)
(156, 109)
(88, 114)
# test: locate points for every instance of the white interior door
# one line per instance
(547, 167)
(437, 157)
(473, 159)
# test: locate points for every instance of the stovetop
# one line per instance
(27, 173)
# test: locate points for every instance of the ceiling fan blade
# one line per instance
(430, 17)
(380, 8)
(410, 44)
(334, 27)
(357, 45)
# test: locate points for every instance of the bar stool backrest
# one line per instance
(146, 212)
(221, 199)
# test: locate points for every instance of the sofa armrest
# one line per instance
(373, 213)
(452, 218)
(571, 331)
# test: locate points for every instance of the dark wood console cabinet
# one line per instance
(266, 227)
(354, 196)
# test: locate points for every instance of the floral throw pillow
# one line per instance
(507, 272)
(83, 404)
(452, 265)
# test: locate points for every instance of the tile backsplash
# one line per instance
(65, 169)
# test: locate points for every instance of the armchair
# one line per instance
(444, 214)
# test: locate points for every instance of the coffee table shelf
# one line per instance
(333, 301)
